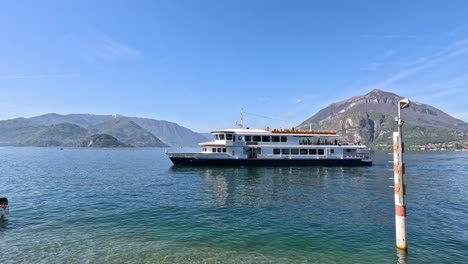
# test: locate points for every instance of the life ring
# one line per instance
(240, 138)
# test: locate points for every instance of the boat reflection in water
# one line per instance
(270, 186)
(291, 208)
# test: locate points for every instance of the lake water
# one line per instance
(132, 206)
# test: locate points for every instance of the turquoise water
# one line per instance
(132, 206)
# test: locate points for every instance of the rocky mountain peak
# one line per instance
(378, 92)
(377, 96)
(370, 118)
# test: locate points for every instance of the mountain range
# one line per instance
(74, 129)
(370, 119)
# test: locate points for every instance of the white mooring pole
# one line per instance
(398, 173)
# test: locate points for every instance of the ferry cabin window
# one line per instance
(224, 149)
(217, 137)
(348, 150)
(213, 150)
(248, 138)
(332, 151)
(312, 152)
(256, 138)
(275, 139)
(294, 151)
(320, 151)
(228, 136)
(221, 136)
(219, 149)
(285, 151)
(266, 138)
(303, 152)
(284, 139)
(276, 151)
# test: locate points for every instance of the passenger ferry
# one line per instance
(265, 147)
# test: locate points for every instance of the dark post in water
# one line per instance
(398, 173)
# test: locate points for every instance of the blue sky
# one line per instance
(198, 63)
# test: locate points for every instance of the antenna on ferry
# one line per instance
(241, 118)
(241, 123)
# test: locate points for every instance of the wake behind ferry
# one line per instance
(277, 147)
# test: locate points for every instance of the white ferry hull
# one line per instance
(191, 161)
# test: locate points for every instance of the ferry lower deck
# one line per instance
(269, 162)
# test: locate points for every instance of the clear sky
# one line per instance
(198, 63)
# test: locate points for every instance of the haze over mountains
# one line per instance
(74, 129)
(370, 118)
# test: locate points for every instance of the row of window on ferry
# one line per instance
(215, 150)
(253, 138)
(295, 151)
(221, 137)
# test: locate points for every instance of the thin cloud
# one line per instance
(379, 60)
(97, 47)
(110, 48)
(38, 76)
(422, 63)
(448, 89)
(389, 36)
(263, 99)
(388, 53)
(436, 79)
(302, 99)
(445, 91)
(461, 115)
(371, 66)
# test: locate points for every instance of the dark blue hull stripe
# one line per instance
(270, 162)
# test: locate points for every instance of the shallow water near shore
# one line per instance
(132, 206)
